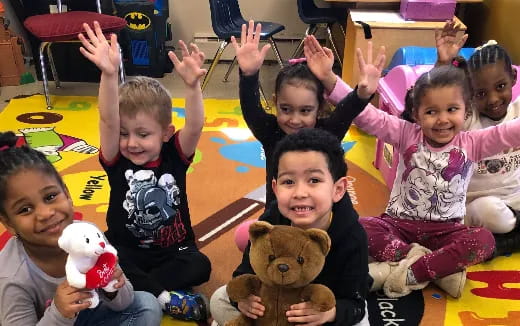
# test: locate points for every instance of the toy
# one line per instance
(91, 261)
(286, 260)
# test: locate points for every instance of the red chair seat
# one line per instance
(67, 25)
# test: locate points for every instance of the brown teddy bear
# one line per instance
(286, 260)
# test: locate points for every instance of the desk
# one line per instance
(391, 35)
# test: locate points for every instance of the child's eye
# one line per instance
(24, 210)
(453, 109)
(480, 94)
(314, 180)
(51, 197)
(142, 135)
(285, 109)
(501, 86)
(123, 134)
(287, 182)
(429, 112)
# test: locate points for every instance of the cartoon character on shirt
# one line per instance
(152, 206)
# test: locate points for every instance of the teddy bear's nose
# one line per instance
(102, 244)
(283, 268)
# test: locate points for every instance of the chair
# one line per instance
(227, 20)
(64, 27)
(317, 18)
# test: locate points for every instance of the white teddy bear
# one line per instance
(91, 261)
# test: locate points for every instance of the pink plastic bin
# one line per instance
(437, 10)
(392, 90)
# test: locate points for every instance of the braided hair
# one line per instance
(15, 159)
(490, 53)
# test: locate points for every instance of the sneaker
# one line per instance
(187, 306)
(452, 284)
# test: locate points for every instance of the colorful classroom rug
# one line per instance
(226, 185)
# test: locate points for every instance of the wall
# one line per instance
(191, 20)
(495, 19)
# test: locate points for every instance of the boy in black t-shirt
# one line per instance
(146, 161)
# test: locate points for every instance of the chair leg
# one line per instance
(53, 67)
(233, 63)
(216, 59)
(43, 45)
(276, 52)
(333, 45)
(121, 67)
(311, 29)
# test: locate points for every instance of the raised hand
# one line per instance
(320, 61)
(446, 42)
(97, 49)
(69, 300)
(249, 58)
(190, 67)
(252, 307)
(369, 73)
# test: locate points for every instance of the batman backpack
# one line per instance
(143, 39)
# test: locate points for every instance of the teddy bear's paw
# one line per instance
(111, 286)
(94, 301)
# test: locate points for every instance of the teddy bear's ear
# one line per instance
(322, 238)
(258, 229)
(63, 240)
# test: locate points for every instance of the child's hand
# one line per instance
(369, 73)
(70, 301)
(252, 307)
(120, 279)
(446, 42)
(249, 58)
(97, 49)
(304, 314)
(320, 61)
(190, 67)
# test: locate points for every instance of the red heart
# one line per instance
(101, 274)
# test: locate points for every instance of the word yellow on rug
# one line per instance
(226, 185)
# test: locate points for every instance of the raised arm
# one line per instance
(189, 69)
(249, 57)
(447, 44)
(106, 57)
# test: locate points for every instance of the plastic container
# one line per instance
(437, 10)
(392, 90)
(418, 55)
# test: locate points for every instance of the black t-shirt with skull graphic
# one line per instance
(148, 206)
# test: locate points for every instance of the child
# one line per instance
(310, 187)
(148, 217)
(493, 199)
(422, 225)
(298, 98)
(35, 206)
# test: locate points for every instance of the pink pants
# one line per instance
(454, 246)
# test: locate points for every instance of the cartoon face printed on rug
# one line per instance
(432, 183)
(152, 207)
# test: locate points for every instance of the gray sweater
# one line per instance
(26, 292)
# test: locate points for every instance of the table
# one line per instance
(392, 35)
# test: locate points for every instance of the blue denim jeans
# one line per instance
(144, 310)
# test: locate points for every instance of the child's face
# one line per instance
(37, 207)
(296, 108)
(441, 114)
(493, 87)
(305, 189)
(141, 138)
